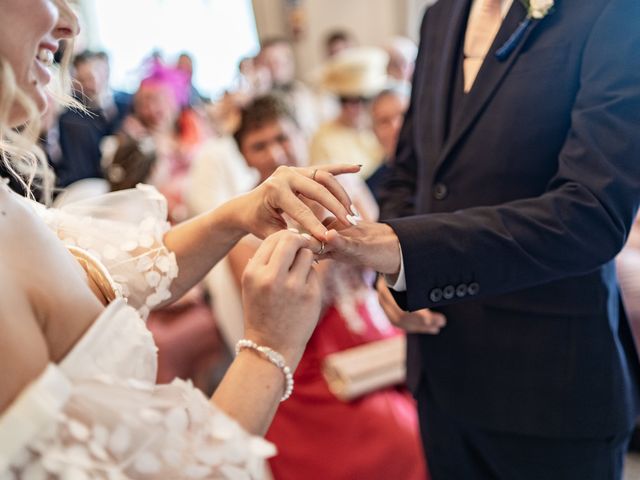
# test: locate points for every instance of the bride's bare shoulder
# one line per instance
(14, 214)
(23, 349)
(25, 242)
(23, 234)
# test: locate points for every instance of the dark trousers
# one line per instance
(457, 451)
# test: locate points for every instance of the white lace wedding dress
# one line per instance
(98, 414)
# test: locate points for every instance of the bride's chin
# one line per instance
(19, 116)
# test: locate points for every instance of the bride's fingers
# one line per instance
(316, 246)
(267, 247)
(330, 182)
(340, 169)
(263, 254)
(286, 251)
(320, 194)
(295, 208)
(302, 264)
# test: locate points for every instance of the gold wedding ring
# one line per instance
(313, 176)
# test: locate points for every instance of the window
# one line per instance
(217, 33)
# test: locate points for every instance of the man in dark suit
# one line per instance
(82, 132)
(518, 181)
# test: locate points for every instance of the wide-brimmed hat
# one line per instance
(356, 72)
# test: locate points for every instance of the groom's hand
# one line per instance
(368, 244)
(421, 321)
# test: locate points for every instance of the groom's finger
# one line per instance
(338, 244)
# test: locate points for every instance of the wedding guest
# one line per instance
(378, 431)
(355, 76)
(387, 115)
(337, 41)
(115, 104)
(161, 121)
(402, 53)
(628, 266)
(276, 54)
(81, 134)
(253, 78)
(78, 398)
(185, 64)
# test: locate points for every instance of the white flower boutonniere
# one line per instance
(538, 9)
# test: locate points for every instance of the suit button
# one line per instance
(440, 191)
(474, 289)
(462, 291)
(449, 292)
(435, 295)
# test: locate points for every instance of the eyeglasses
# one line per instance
(358, 100)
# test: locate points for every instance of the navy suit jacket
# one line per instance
(514, 213)
(80, 137)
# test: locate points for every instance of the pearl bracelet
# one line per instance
(273, 357)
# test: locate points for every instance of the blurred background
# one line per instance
(130, 31)
(203, 99)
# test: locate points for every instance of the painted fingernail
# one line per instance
(294, 230)
(352, 220)
(354, 210)
(307, 237)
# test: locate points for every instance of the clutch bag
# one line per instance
(363, 369)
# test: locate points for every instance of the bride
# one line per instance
(77, 365)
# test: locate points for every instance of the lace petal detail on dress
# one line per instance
(112, 430)
(124, 230)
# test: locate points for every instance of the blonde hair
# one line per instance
(19, 150)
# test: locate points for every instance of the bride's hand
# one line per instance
(281, 295)
(261, 210)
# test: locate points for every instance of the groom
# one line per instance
(517, 179)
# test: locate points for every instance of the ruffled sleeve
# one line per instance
(102, 429)
(123, 230)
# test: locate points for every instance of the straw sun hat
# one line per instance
(356, 72)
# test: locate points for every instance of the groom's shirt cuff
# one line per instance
(400, 284)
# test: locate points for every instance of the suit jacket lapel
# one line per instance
(445, 68)
(489, 78)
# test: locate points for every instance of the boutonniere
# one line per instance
(536, 10)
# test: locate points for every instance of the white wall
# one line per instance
(414, 12)
(270, 17)
(371, 21)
